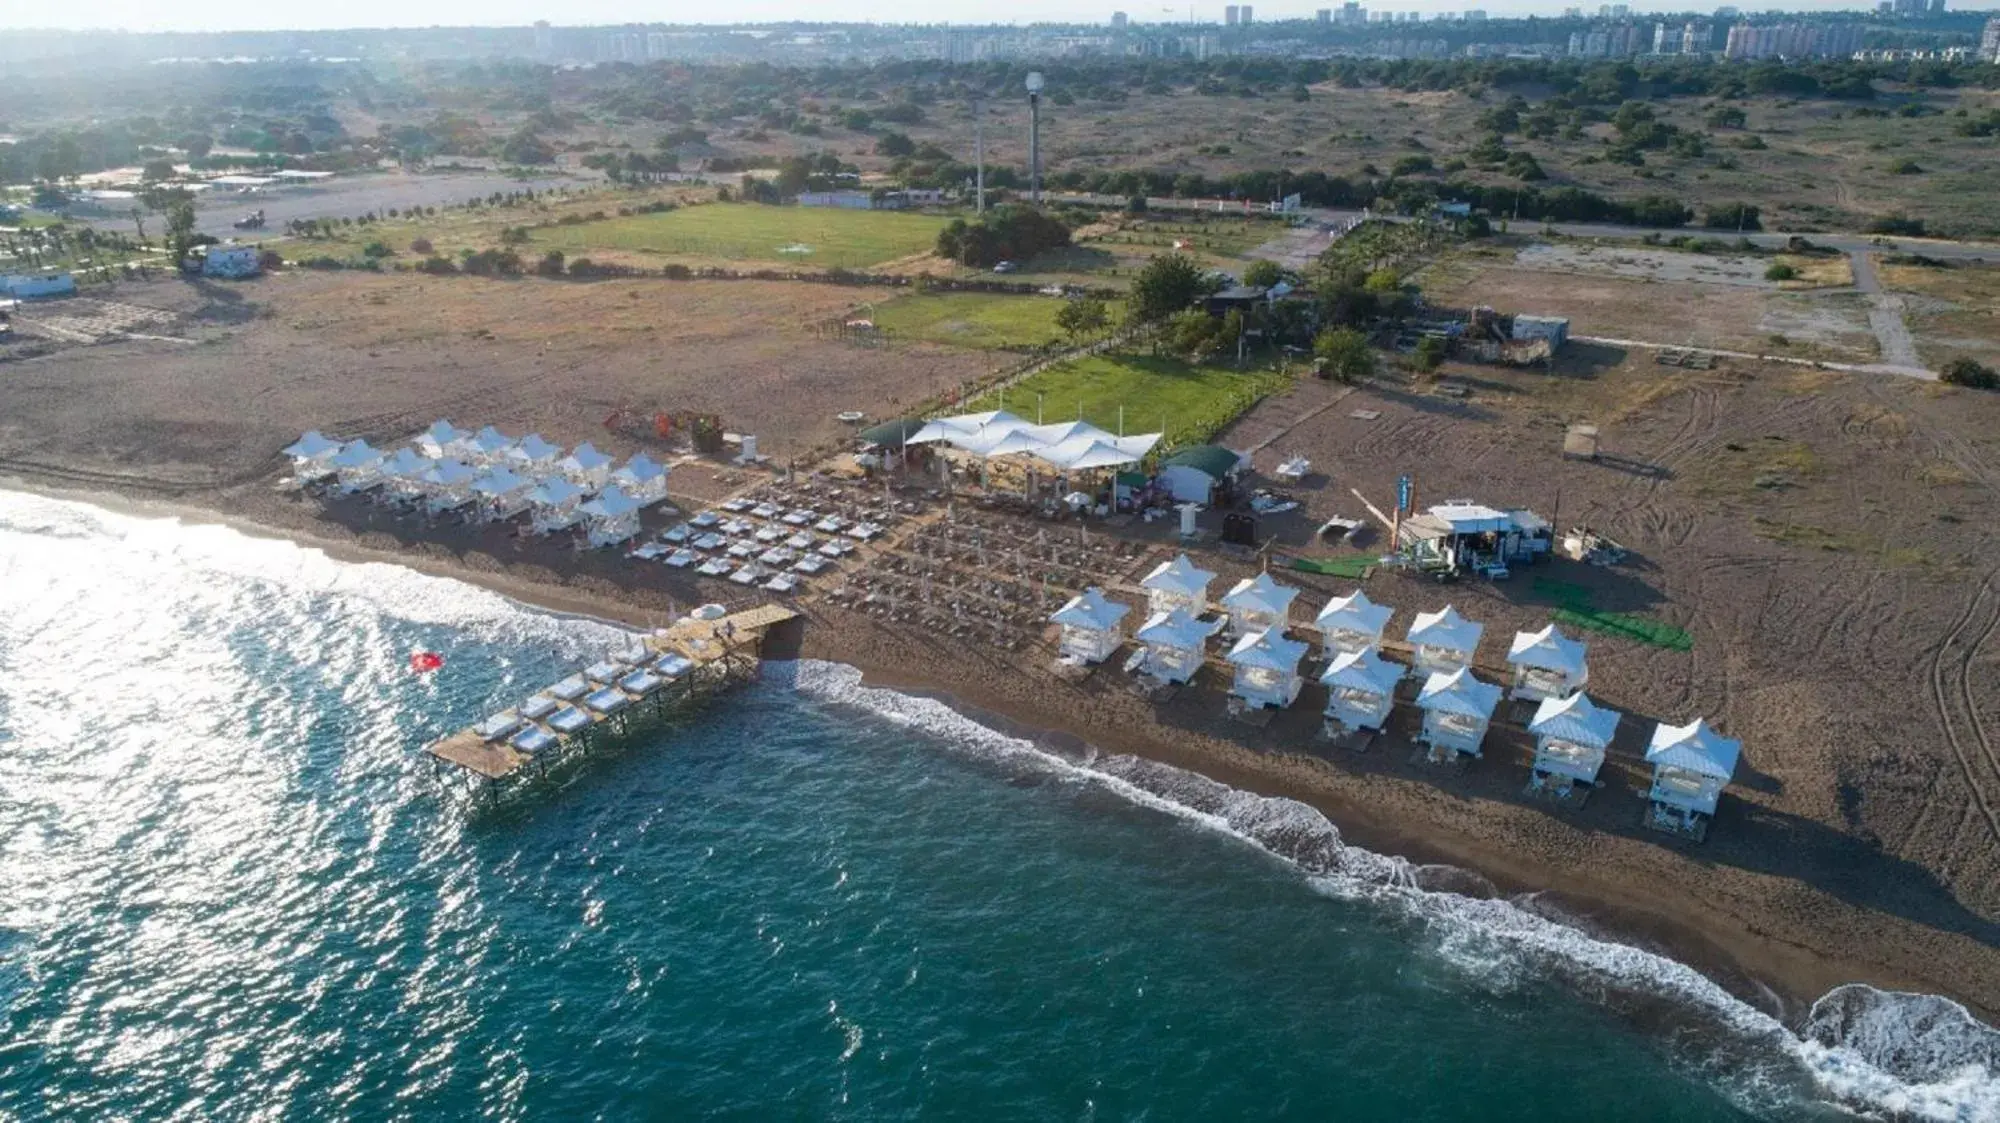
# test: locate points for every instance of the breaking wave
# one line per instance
(1880, 1054)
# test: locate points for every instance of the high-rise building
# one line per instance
(1989, 41)
(1476, 15)
(1937, 7)
(1118, 20)
(1244, 14)
(1230, 15)
(1572, 13)
(545, 40)
(1324, 15)
(1351, 12)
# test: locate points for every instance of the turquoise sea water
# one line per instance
(230, 890)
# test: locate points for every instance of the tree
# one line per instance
(180, 228)
(1167, 284)
(1194, 334)
(1263, 274)
(895, 144)
(196, 145)
(1429, 354)
(1969, 372)
(157, 171)
(1084, 316)
(551, 264)
(1344, 354)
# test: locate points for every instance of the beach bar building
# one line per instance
(1257, 603)
(1267, 669)
(1691, 765)
(1174, 644)
(1571, 735)
(1458, 708)
(1177, 584)
(1547, 664)
(1360, 691)
(1352, 623)
(312, 456)
(1090, 627)
(643, 479)
(1442, 642)
(358, 466)
(613, 516)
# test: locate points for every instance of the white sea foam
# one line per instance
(1879, 1053)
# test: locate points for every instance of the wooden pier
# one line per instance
(692, 659)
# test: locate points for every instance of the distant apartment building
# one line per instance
(1323, 16)
(1118, 21)
(545, 39)
(1613, 11)
(1476, 15)
(1244, 14)
(1352, 13)
(1572, 13)
(1792, 40)
(1666, 39)
(1989, 41)
(1231, 15)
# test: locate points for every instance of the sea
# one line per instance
(232, 889)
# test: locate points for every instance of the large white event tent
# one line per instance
(1090, 631)
(613, 515)
(1175, 643)
(1352, 622)
(1177, 584)
(1256, 603)
(312, 456)
(1547, 664)
(1442, 642)
(1067, 446)
(1360, 690)
(1267, 668)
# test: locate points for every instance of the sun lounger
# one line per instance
(864, 531)
(538, 707)
(498, 725)
(640, 682)
(533, 739)
(832, 524)
(569, 719)
(736, 528)
(797, 518)
(673, 665)
(777, 555)
(741, 550)
(609, 670)
(608, 700)
(570, 689)
(782, 583)
(705, 519)
(765, 510)
(714, 567)
(799, 542)
(648, 551)
(811, 564)
(737, 505)
(837, 549)
(748, 575)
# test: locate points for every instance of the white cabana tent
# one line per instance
(1267, 668)
(404, 473)
(642, 479)
(1360, 690)
(1352, 622)
(358, 465)
(1176, 644)
(586, 467)
(502, 494)
(1090, 631)
(1571, 734)
(448, 485)
(1257, 603)
(533, 454)
(613, 515)
(1457, 709)
(1177, 584)
(1442, 641)
(1547, 664)
(488, 446)
(554, 505)
(312, 456)
(1691, 765)
(443, 439)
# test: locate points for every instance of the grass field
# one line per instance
(822, 237)
(985, 321)
(1190, 403)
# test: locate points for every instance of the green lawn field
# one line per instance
(824, 237)
(985, 321)
(1189, 403)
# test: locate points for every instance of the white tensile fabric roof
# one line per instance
(962, 426)
(357, 455)
(1355, 613)
(1260, 594)
(554, 492)
(312, 446)
(1089, 609)
(1576, 719)
(640, 469)
(1446, 629)
(1459, 693)
(1176, 629)
(1269, 649)
(1548, 650)
(1067, 445)
(1696, 747)
(610, 503)
(500, 481)
(1179, 576)
(1363, 670)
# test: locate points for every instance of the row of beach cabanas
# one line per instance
(1572, 733)
(489, 476)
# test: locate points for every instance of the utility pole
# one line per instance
(979, 154)
(1035, 137)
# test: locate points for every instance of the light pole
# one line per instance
(979, 154)
(1035, 137)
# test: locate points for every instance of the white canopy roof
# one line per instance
(357, 455)
(1576, 719)
(312, 446)
(1260, 594)
(1015, 443)
(961, 426)
(640, 469)
(500, 481)
(1363, 670)
(584, 458)
(554, 492)
(1176, 629)
(449, 473)
(1082, 454)
(1066, 445)
(1696, 747)
(1060, 431)
(611, 503)
(1355, 613)
(1446, 629)
(1179, 576)
(443, 432)
(492, 442)
(1459, 693)
(534, 450)
(1089, 609)
(1548, 650)
(407, 462)
(1270, 649)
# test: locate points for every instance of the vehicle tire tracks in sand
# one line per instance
(1951, 685)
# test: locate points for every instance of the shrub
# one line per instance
(376, 250)
(1906, 167)
(676, 272)
(420, 245)
(1971, 373)
(551, 264)
(1897, 224)
(1779, 271)
(438, 266)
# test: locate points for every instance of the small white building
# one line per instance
(642, 479)
(586, 467)
(1177, 584)
(312, 456)
(554, 505)
(1442, 642)
(358, 466)
(502, 494)
(1267, 668)
(1571, 735)
(232, 262)
(1175, 644)
(1193, 474)
(1547, 664)
(1256, 603)
(1691, 765)
(613, 516)
(1352, 623)
(1360, 690)
(1457, 710)
(1090, 627)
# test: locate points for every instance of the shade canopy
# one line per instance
(640, 469)
(312, 446)
(1260, 594)
(499, 482)
(1695, 747)
(491, 442)
(532, 449)
(1176, 628)
(1179, 576)
(1069, 446)
(962, 426)
(360, 454)
(892, 434)
(1446, 629)
(555, 492)
(1083, 455)
(584, 458)
(1459, 693)
(443, 433)
(1268, 649)
(1362, 670)
(1575, 719)
(1547, 650)
(1090, 610)
(449, 473)
(611, 503)
(407, 463)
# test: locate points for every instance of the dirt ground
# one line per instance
(383, 356)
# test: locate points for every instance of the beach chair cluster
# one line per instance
(489, 476)
(773, 541)
(603, 695)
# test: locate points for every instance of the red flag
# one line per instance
(424, 662)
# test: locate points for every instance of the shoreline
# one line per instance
(1779, 971)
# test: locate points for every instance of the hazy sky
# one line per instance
(215, 15)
